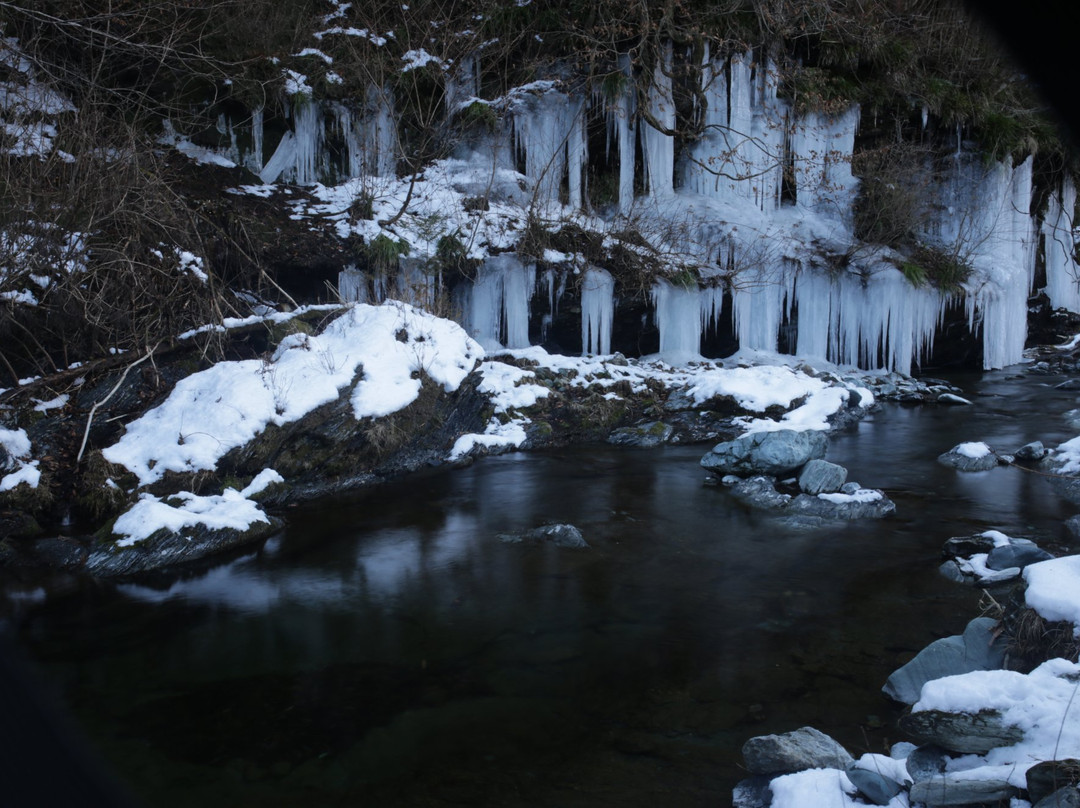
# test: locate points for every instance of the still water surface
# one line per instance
(388, 649)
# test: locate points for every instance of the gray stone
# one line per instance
(967, 546)
(653, 433)
(876, 787)
(850, 488)
(753, 792)
(961, 462)
(976, 733)
(1048, 776)
(1015, 555)
(960, 788)
(974, 650)
(951, 571)
(773, 453)
(796, 751)
(1031, 451)
(558, 535)
(821, 477)
(925, 762)
(1067, 797)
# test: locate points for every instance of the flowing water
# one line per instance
(389, 649)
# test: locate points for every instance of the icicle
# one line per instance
(499, 301)
(1062, 273)
(484, 314)
(283, 159)
(549, 130)
(254, 161)
(352, 285)
(519, 281)
(624, 121)
(758, 299)
(307, 124)
(597, 311)
(678, 316)
(659, 148)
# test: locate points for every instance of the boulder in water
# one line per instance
(975, 456)
(556, 534)
(796, 751)
(774, 453)
(821, 477)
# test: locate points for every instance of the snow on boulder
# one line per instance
(1053, 589)
(974, 456)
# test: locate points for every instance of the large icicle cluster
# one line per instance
(758, 239)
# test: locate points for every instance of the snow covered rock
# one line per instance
(977, 649)
(975, 456)
(821, 477)
(1018, 553)
(753, 792)
(796, 751)
(778, 452)
(865, 503)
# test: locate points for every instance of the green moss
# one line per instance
(479, 115)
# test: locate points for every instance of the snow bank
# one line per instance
(227, 405)
(16, 443)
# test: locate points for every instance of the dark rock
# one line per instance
(649, 434)
(850, 488)
(774, 453)
(925, 762)
(558, 535)
(1067, 797)
(1031, 451)
(1016, 555)
(876, 787)
(957, 789)
(7, 462)
(967, 546)
(952, 400)
(974, 650)
(752, 792)
(977, 733)
(951, 571)
(166, 548)
(796, 751)
(1048, 776)
(820, 477)
(959, 458)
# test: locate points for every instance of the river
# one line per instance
(389, 649)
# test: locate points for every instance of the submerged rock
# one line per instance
(796, 751)
(558, 535)
(969, 457)
(821, 477)
(774, 453)
(977, 649)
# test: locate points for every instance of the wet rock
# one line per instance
(967, 546)
(796, 751)
(752, 792)
(974, 650)
(821, 477)
(758, 492)
(976, 733)
(1044, 778)
(166, 548)
(1016, 554)
(1067, 797)
(926, 761)
(559, 535)
(951, 571)
(1073, 525)
(969, 457)
(653, 433)
(960, 788)
(774, 453)
(1031, 452)
(876, 787)
(850, 488)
